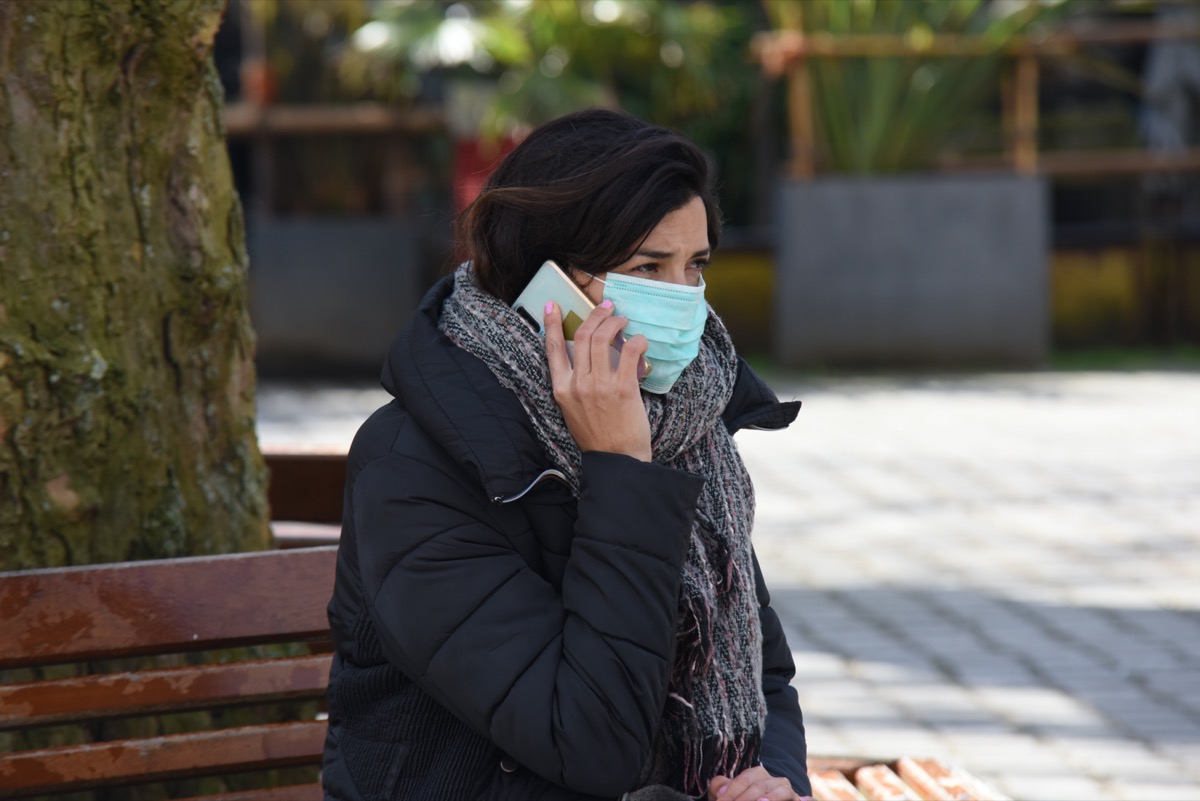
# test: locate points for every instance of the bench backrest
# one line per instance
(306, 486)
(173, 606)
(305, 494)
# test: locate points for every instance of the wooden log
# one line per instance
(779, 49)
(880, 783)
(832, 785)
(936, 781)
(800, 121)
(1025, 109)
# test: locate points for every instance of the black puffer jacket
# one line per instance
(496, 639)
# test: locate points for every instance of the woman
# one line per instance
(545, 586)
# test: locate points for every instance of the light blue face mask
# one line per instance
(670, 316)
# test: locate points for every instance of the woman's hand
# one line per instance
(752, 784)
(602, 406)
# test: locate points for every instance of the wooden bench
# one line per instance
(305, 495)
(163, 609)
(305, 486)
(167, 608)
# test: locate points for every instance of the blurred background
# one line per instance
(927, 183)
(992, 566)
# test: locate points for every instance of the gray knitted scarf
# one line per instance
(713, 720)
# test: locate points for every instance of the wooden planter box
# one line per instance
(329, 294)
(912, 272)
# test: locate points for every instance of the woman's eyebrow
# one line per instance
(665, 254)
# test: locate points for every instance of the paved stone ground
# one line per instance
(1001, 570)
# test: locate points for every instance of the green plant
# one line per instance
(886, 113)
(666, 60)
(508, 65)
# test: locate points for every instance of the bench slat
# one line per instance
(306, 486)
(296, 534)
(41, 703)
(297, 792)
(132, 608)
(79, 767)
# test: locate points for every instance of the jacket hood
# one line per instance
(457, 400)
(754, 404)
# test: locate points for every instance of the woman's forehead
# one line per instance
(686, 227)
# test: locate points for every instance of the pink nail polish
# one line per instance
(606, 304)
(724, 787)
(549, 306)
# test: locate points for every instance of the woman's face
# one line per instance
(676, 251)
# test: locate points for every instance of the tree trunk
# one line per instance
(126, 353)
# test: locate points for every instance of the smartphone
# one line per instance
(551, 283)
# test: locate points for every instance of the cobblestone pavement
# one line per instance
(1000, 570)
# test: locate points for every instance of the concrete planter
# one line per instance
(329, 294)
(912, 272)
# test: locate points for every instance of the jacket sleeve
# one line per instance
(784, 750)
(571, 684)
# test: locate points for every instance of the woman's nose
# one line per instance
(677, 275)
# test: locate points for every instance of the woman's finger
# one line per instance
(772, 790)
(740, 784)
(602, 343)
(631, 356)
(714, 787)
(556, 347)
(755, 784)
(584, 334)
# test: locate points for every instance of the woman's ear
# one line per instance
(593, 288)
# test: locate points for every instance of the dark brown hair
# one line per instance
(584, 190)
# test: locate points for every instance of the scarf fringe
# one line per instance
(720, 755)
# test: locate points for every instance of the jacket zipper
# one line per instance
(558, 475)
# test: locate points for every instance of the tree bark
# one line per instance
(126, 353)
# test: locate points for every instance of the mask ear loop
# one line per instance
(591, 277)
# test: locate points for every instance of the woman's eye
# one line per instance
(645, 268)
(699, 264)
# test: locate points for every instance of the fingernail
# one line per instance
(606, 304)
(724, 787)
(549, 306)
